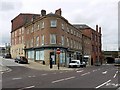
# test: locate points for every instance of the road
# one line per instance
(97, 77)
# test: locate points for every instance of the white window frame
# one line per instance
(42, 40)
(42, 24)
(53, 23)
(37, 41)
(52, 38)
(62, 40)
(63, 27)
(68, 42)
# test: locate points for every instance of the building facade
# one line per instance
(37, 37)
(18, 33)
(42, 37)
(95, 42)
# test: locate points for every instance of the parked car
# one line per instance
(117, 62)
(77, 63)
(21, 59)
(7, 55)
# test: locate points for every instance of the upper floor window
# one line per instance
(37, 41)
(22, 30)
(32, 29)
(68, 42)
(62, 26)
(62, 40)
(52, 39)
(71, 31)
(42, 40)
(53, 23)
(67, 29)
(42, 24)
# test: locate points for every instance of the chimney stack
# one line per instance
(97, 28)
(43, 12)
(58, 12)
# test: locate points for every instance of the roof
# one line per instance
(81, 26)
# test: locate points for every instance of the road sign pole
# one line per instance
(58, 52)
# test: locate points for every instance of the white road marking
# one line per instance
(16, 78)
(104, 72)
(103, 84)
(57, 81)
(85, 74)
(80, 71)
(44, 74)
(27, 87)
(62, 79)
(115, 76)
(31, 76)
(94, 70)
(69, 78)
(116, 71)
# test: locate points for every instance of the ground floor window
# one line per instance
(39, 55)
(31, 54)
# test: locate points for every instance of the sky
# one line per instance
(91, 12)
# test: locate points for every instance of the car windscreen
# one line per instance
(73, 61)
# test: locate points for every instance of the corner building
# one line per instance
(42, 37)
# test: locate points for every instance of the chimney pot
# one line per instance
(43, 12)
(58, 12)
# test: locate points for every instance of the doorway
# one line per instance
(53, 57)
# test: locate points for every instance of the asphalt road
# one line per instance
(105, 76)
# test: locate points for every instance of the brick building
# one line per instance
(18, 33)
(95, 36)
(39, 36)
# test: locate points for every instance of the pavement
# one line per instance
(3, 68)
(39, 66)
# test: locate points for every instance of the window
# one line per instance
(52, 39)
(19, 40)
(62, 40)
(22, 39)
(74, 32)
(42, 25)
(15, 33)
(31, 44)
(67, 29)
(68, 42)
(62, 26)
(38, 26)
(53, 23)
(71, 31)
(42, 40)
(37, 41)
(32, 29)
(27, 31)
(71, 43)
(22, 30)
(74, 44)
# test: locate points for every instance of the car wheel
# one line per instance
(18, 61)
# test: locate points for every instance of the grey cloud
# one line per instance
(9, 6)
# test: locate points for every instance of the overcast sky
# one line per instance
(90, 12)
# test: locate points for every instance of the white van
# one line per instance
(76, 63)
